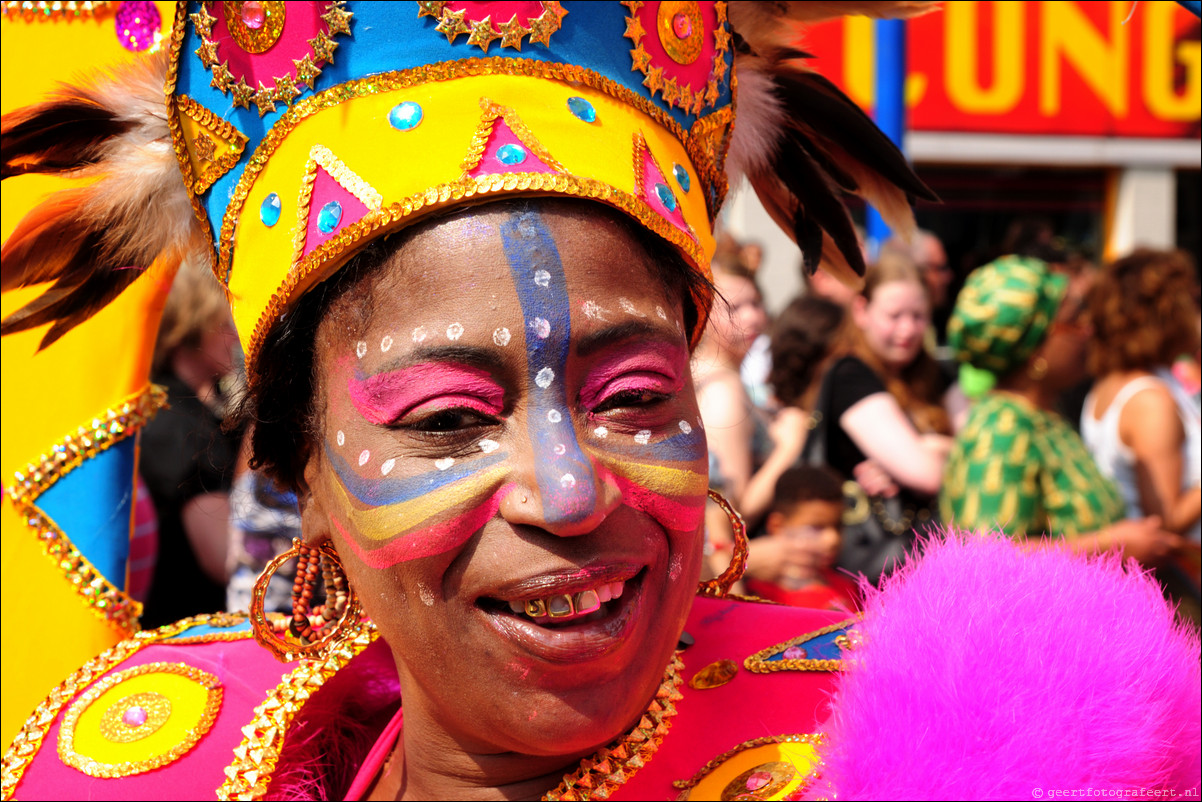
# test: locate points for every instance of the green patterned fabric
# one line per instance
(1025, 471)
(1004, 312)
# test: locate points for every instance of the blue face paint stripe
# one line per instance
(381, 491)
(566, 481)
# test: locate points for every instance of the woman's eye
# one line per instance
(447, 421)
(627, 399)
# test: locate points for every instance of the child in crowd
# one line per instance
(807, 514)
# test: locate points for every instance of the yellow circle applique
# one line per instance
(139, 719)
(767, 768)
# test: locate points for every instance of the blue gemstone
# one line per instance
(511, 154)
(405, 116)
(269, 210)
(582, 109)
(682, 177)
(666, 197)
(329, 217)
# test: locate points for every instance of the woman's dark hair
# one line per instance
(803, 483)
(802, 337)
(281, 404)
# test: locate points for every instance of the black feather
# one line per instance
(56, 137)
(819, 206)
(828, 109)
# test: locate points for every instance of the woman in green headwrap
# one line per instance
(1017, 465)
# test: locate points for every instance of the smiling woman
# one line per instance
(468, 289)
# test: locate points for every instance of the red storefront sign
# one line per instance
(1045, 67)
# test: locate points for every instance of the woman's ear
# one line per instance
(315, 520)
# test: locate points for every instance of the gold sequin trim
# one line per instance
(612, 766)
(110, 427)
(285, 88)
(43, 10)
(760, 664)
(255, 758)
(114, 728)
(493, 111)
(404, 79)
(682, 97)
(94, 768)
(25, 746)
(347, 178)
(329, 255)
(815, 740)
(214, 167)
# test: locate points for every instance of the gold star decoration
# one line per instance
(654, 81)
(640, 59)
(207, 52)
(222, 79)
(720, 8)
(205, 149)
(264, 100)
(451, 24)
(338, 19)
(721, 38)
(483, 34)
(711, 92)
(633, 5)
(512, 33)
(634, 30)
(285, 89)
(547, 23)
(241, 94)
(203, 21)
(671, 92)
(306, 70)
(430, 8)
(323, 48)
(555, 7)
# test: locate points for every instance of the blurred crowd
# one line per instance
(1059, 403)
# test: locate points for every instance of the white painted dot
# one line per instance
(629, 308)
(501, 336)
(341, 437)
(426, 596)
(544, 378)
(387, 467)
(386, 343)
(420, 334)
(542, 278)
(560, 449)
(364, 456)
(541, 327)
(489, 446)
(643, 437)
(594, 310)
(360, 349)
(554, 415)
(659, 311)
(444, 463)
(601, 431)
(454, 331)
(675, 565)
(567, 480)
(685, 427)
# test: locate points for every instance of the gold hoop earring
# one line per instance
(1038, 369)
(311, 630)
(720, 585)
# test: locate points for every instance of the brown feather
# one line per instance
(56, 137)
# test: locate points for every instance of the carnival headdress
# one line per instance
(304, 130)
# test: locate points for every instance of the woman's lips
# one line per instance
(590, 629)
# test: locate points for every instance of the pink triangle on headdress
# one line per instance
(325, 191)
(501, 136)
(653, 177)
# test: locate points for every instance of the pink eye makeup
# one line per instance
(635, 369)
(426, 388)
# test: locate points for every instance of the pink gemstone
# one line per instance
(795, 653)
(134, 717)
(253, 15)
(681, 26)
(758, 780)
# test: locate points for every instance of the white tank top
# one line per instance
(1116, 460)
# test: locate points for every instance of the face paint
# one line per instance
(542, 292)
(428, 387)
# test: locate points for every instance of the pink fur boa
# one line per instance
(992, 672)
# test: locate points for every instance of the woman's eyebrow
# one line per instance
(474, 356)
(594, 341)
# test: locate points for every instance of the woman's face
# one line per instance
(509, 432)
(735, 324)
(894, 321)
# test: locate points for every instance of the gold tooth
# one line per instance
(536, 608)
(571, 607)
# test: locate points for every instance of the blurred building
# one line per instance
(1086, 113)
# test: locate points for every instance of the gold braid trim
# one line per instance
(760, 664)
(112, 426)
(815, 740)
